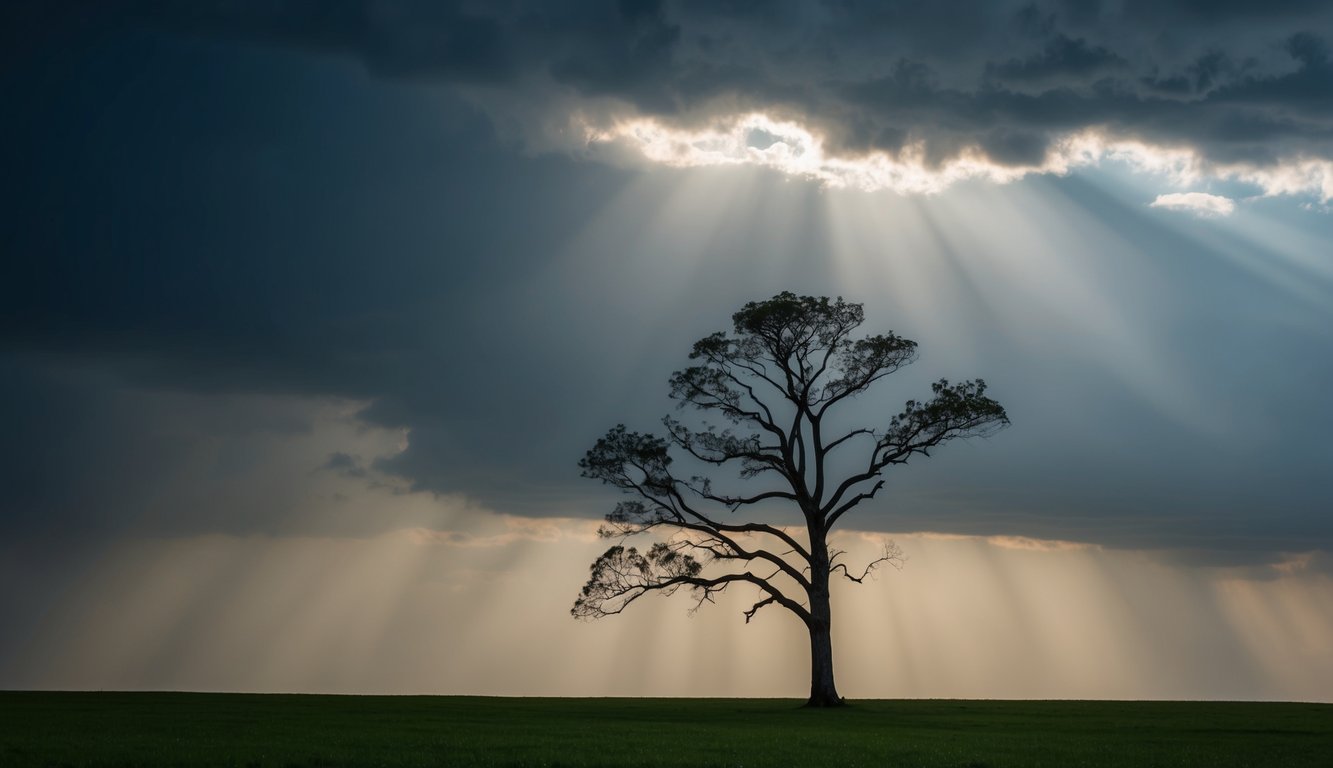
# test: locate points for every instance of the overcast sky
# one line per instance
(284, 272)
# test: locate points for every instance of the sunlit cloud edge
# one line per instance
(756, 139)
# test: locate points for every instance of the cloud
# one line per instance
(91, 456)
(344, 464)
(298, 237)
(1003, 85)
(513, 530)
(1198, 203)
(1061, 59)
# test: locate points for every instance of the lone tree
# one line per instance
(789, 362)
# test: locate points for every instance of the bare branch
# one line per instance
(892, 554)
(854, 433)
(850, 503)
(749, 614)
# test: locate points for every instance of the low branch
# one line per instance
(749, 614)
(623, 574)
(737, 552)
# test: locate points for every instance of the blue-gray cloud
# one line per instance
(1235, 81)
(194, 203)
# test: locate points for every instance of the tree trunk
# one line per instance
(823, 691)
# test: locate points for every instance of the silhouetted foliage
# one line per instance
(789, 360)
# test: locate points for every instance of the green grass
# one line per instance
(197, 729)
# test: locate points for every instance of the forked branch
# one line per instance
(892, 555)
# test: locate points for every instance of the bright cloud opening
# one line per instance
(789, 147)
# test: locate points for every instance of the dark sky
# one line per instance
(219, 218)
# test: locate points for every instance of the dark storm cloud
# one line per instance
(344, 464)
(421, 39)
(1240, 82)
(251, 233)
(1061, 58)
(1213, 12)
(194, 204)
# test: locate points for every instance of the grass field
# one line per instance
(196, 729)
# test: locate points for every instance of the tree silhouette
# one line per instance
(790, 361)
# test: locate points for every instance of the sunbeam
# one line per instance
(420, 613)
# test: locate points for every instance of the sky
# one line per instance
(309, 309)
